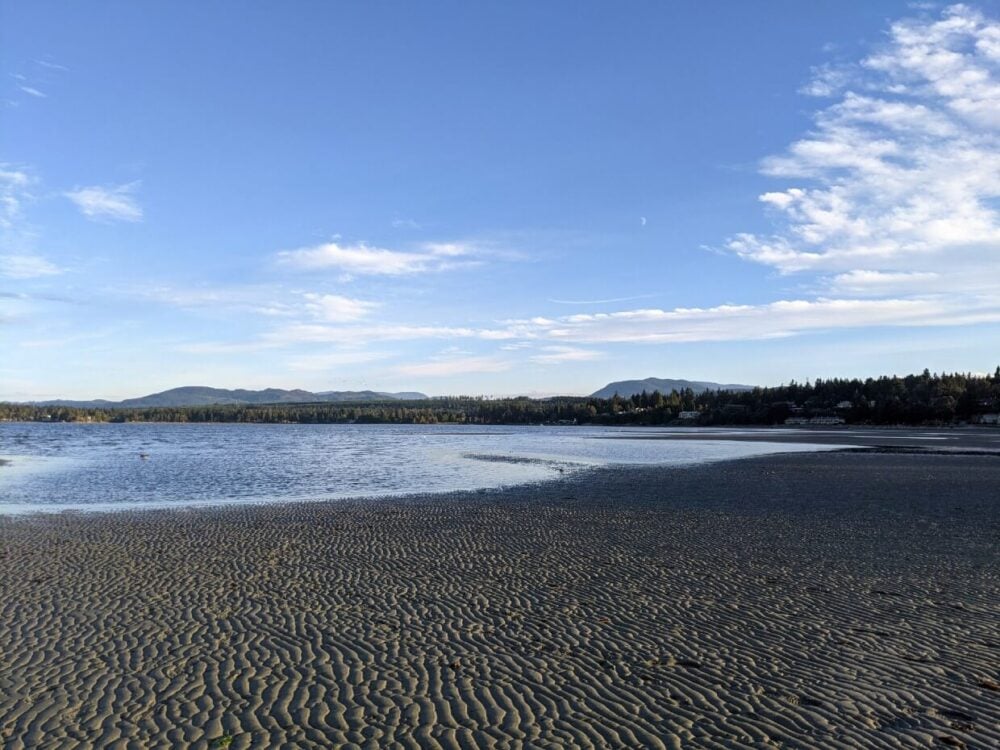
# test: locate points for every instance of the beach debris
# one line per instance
(990, 684)
(143, 456)
(219, 743)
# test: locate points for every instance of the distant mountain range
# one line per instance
(201, 396)
(204, 396)
(626, 388)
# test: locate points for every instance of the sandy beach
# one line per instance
(810, 600)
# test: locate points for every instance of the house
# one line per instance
(987, 419)
(826, 420)
(689, 415)
(814, 421)
(845, 405)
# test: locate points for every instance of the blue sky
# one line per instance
(494, 198)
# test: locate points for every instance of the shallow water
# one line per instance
(55, 467)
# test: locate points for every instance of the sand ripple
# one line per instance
(802, 601)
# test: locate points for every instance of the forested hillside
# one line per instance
(912, 400)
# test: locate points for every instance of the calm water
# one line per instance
(98, 467)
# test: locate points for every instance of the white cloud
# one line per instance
(556, 340)
(557, 355)
(260, 299)
(600, 301)
(772, 320)
(353, 334)
(17, 262)
(227, 347)
(448, 249)
(13, 177)
(51, 342)
(826, 80)
(111, 203)
(51, 65)
(333, 360)
(336, 309)
(880, 282)
(455, 366)
(26, 267)
(32, 91)
(363, 259)
(899, 181)
(405, 224)
(14, 186)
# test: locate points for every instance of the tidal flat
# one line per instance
(801, 600)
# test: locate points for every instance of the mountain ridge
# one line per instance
(627, 388)
(195, 395)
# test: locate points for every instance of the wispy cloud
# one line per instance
(108, 203)
(554, 340)
(362, 259)
(557, 355)
(405, 224)
(261, 299)
(268, 300)
(214, 348)
(16, 262)
(14, 187)
(550, 341)
(900, 177)
(51, 342)
(353, 334)
(747, 322)
(336, 308)
(26, 267)
(863, 283)
(827, 80)
(32, 91)
(607, 301)
(455, 365)
(51, 65)
(333, 360)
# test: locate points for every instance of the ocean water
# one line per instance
(57, 467)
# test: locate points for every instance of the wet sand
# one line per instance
(809, 600)
(885, 439)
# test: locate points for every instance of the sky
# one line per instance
(494, 198)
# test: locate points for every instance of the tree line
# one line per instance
(912, 400)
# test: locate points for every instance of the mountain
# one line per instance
(193, 395)
(626, 388)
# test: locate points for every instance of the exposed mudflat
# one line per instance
(809, 600)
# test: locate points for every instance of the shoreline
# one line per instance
(11, 511)
(679, 426)
(830, 599)
(566, 467)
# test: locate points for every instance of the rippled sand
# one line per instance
(800, 601)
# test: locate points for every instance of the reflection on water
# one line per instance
(105, 466)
